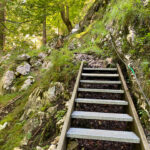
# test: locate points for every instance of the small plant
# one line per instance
(60, 114)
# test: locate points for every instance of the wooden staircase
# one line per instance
(86, 85)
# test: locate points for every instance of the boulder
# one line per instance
(27, 83)
(42, 55)
(23, 69)
(8, 80)
(23, 57)
(53, 91)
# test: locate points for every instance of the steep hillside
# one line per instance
(36, 84)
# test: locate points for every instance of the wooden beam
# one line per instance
(66, 126)
(137, 127)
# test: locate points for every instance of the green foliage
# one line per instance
(60, 114)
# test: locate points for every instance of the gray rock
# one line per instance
(8, 80)
(42, 55)
(6, 57)
(23, 57)
(27, 83)
(77, 27)
(23, 69)
(131, 36)
(53, 92)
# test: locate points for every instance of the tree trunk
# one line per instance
(2, 26)
(65, 17)
(44, 32)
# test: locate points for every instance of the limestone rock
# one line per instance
(27, 83)
(52, 147)
(23, 57)
(8, 80)
(39, 148)
(77, 27)
(56, 140)
(131, 36)
(3, 126)
(23, 69)
(54, 91)
(42, 55)
(52, 110)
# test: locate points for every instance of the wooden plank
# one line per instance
(137, 127)
(105, 135)
(66, 126)
(101, 101)
(100, 82)
(100, 90)
(101, 116)
(99, 75)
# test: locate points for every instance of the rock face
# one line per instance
(23, 57)
(131, 35)
(27, 83)
(23, 69)
(8, 80)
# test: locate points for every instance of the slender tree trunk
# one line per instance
(44, 32)
(65, 17)
(2, 26)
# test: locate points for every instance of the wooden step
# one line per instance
(101, 90)
(101, 116)
(101, 101)
(105, 135)
(100, 82)
(99, 75)
(100, 69)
